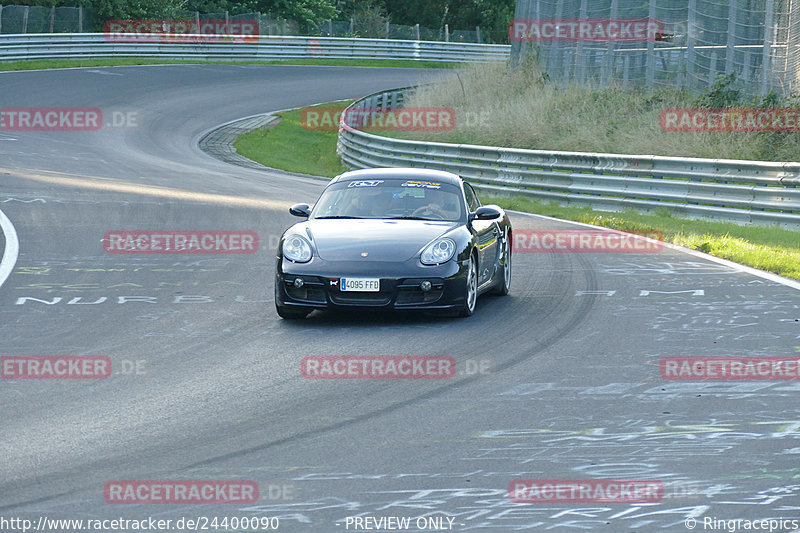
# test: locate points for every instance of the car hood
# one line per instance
(382, 240)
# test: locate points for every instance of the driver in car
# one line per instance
(370, 203)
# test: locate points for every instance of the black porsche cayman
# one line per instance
(395, 238)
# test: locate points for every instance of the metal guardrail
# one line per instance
(263, 47)
(726, 190)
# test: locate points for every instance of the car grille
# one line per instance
(312, 292)
(360, 298)
(416, 296)
(409, 292)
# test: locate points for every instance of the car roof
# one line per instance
(399, 173)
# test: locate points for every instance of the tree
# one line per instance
(305, 12)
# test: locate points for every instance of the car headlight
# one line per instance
(296, 248)
(438, 252)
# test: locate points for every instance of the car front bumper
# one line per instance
(399, 285)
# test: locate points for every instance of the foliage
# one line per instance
(493, 16)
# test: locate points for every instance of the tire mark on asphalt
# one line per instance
(578, 316)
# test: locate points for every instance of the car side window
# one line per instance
(472, 198)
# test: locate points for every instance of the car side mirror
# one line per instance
(300, 210)
(486, 212)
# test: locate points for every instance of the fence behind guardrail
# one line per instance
(694, 41)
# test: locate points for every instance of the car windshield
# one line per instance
(410, 199)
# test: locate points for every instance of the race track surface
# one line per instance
(559, 380)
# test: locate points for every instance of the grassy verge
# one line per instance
(291, 147)
(39, 64)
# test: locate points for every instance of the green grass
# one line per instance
(766, 248)
(289, 146)
(39, 64)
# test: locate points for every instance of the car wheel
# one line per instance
(471, 290)
(504, 278)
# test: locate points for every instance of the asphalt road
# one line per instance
(557, 381)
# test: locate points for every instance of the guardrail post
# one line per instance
(650, 69)
(387, 29)
(447, 33)
(691, 34)
(766, 53)
(731, 50)
(330, 27)
(352, 26)
(416, 30)
(478, 32)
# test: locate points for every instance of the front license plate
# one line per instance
(360, 284)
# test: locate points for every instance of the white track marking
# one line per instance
(12, 248)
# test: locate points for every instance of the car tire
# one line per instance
(504, 278)
(471, 289)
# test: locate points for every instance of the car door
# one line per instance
(487, 236)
